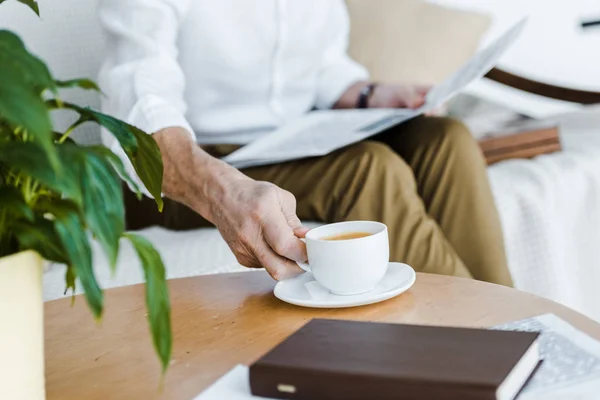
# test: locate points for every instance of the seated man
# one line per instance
(206, 77)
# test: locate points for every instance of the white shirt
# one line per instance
(226, 70)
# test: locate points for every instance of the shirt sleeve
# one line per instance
(141, 77)
(338, 71)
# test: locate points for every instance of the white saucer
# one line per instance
(304, 291)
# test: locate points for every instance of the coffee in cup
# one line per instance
(348, 258)
(347, 236)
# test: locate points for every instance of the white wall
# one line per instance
(553, 47)
(68, 37)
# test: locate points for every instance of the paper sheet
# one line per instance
(234, 385)
(321, 132)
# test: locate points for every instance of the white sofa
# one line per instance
(550, 206)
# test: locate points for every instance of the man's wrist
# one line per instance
(192, 176)
(215, 178)
(350, 96)
(365, 95)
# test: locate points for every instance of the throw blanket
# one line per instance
(550, 211)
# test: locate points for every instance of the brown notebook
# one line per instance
(346, 360)
(526, 142)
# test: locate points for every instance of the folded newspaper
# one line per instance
(571, 360)
(570, 368)
(321, 132)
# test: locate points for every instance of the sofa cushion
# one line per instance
(412, 40)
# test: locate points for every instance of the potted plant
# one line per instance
(54, 197)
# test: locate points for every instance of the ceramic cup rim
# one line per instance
(315, 232)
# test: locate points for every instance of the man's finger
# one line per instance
(282, 240)
(301, 232)
(280, 230)
(422, 89)
(410, 97)
(287, 202)
(278, 267)
(415, 101)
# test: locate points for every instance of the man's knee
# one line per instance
(448, 137)
(448, 130)
(374, 161)
(373, 155)
(369, 175)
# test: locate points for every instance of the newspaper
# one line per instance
(571, 360)
(321, 132)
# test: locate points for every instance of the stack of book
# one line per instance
(502, 132)
(523, 142)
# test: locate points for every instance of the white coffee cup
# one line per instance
(352, 266)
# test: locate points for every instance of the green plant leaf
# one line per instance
(119, 167)
(30, 3)
(140, 148)
(33, 70)
(69, 227)
(120, 130)
(24, 78)
(157, 297)
(65, 136)
(40, 236)
(81, 83)
(21, 106)
(59, 135)
(70, 279)
(12, 200)
(102, 197)
(32, 160)
(148, 165)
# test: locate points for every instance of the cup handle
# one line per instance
(304, 266)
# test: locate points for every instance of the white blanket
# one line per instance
(550, 211)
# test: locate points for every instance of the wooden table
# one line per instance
(223, 320)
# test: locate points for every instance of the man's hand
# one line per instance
(398, 96)
(257, 219)
(385, 96)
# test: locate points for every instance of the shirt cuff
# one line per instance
(336, 79)
(151, 114)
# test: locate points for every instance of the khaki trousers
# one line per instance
(425, 179)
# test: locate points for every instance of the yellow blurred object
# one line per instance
(21, 327)
(412, 41)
